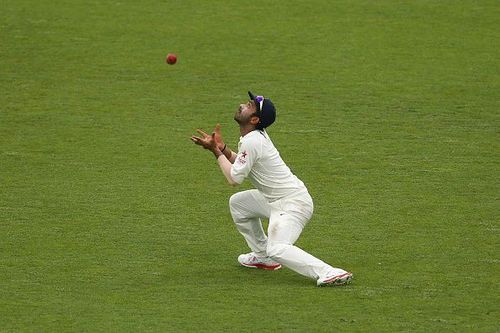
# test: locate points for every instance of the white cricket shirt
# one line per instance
(261, 162)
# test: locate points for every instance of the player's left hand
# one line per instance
(206, 141)
(218, 137)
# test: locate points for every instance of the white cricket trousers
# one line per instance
(287, 218)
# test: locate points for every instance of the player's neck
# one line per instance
(245, 129)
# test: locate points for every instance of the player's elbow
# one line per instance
(232, 182)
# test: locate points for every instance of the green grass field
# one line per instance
(112, 220)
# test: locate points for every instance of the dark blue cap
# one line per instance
(265, 110)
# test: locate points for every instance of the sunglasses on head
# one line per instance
(260, 100)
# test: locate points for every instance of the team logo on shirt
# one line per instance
(242, 158)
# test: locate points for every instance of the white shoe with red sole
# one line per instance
(335, 280)
(252, 261)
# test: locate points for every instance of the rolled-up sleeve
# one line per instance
(244, 161)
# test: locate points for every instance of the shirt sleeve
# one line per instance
(245, 159)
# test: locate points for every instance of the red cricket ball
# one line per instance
(171, 59)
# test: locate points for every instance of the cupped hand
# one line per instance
(218, 137)
(205, 140)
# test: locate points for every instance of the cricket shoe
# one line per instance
(335, 280)
(252, 261)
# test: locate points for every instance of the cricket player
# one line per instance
(278, 196)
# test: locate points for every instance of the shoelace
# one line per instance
(257, 259)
